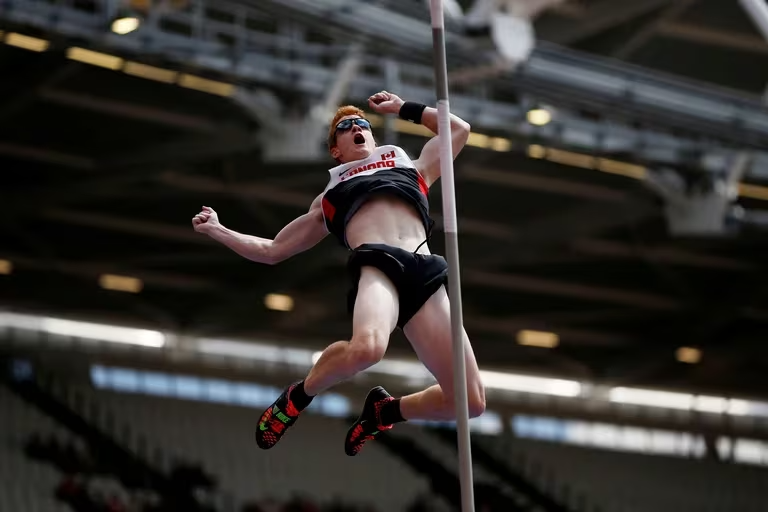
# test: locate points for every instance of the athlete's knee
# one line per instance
(476, 399)
(368, 347)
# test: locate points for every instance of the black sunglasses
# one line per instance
(347, 124)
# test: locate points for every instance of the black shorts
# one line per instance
(416, 276)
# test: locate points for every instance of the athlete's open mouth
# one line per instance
(359, 138)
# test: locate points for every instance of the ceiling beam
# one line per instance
(597, 18)
(46, 156)
(547, 228)
(548, 319)
(302, 200)
(575, 336)
(168, 232)
(529, 181)
(193, 148)
(129, 110)
(92, 270)
(542, 286)
(44, 72)
(645, 33)
(713, 37)
(475, 277)
(668, 255)
(559, 229)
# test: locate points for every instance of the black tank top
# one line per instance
(388, 170)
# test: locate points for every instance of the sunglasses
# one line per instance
(348, 123)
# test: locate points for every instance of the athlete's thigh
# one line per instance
(429, 332)
(377, 304)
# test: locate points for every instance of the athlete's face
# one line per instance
(354, 140)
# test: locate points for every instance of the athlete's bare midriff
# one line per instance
(387, 219)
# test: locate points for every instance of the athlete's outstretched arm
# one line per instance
(300, 235)
(428, 163)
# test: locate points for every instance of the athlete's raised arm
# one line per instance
(428, 163)
(300, 235)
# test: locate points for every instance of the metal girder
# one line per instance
(92, 270)
(575, 318)
(551, 74)
(562, 228)
(275, 194)
(129, 110)
(124, 225)
(647, 31)
(669, 255)
(19, 101)
(496, 231)
(47, 156)
(471, 276)
(576, 336)
(543, 286)
(191, 148)
(530, 181)
(595, 19)
(301, 200)
(714, 37)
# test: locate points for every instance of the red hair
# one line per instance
(347, 110)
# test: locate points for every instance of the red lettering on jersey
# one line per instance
(389, 155)
(358, 170)
(328, 210)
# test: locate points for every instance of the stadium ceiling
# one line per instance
(104, 166)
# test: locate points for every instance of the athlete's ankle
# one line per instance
(389, 414)
(299, 396)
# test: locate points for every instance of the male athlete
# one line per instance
(376, 205)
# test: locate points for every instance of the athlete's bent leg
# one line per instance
(429, 332)
(374, 318)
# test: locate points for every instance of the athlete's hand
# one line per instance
(205, 221)
(385, 103)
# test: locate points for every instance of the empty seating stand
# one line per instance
(26, 485)
(310, 461)
(630, 482)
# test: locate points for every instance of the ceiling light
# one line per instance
(688, 355)
(278, 302)
(120, 283)
(539, 116)
(125, 25)
(538, 339)
(103, 60)
(537, 151)
(27, 42)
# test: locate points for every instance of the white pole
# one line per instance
(452, 256)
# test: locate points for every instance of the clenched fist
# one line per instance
(205, 221)
(385, 103)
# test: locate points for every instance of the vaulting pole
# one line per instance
(452, 255)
